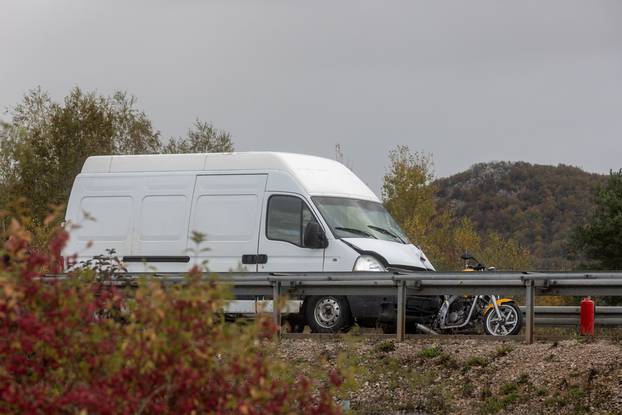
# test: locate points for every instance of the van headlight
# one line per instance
(368, 263)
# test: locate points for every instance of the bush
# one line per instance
(83, 345)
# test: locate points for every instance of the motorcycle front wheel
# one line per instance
(508, 324)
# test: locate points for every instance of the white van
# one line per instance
(258, 212)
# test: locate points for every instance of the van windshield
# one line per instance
(353, 218)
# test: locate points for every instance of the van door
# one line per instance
(281, 243)
(159, 233)
(226, 210)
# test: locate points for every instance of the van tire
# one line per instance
(328, 313)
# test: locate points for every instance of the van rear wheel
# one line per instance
(328, 314)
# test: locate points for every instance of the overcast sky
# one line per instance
(468, 81)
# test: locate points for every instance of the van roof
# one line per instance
(318, 175)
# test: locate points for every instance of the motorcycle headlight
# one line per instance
(368, 263)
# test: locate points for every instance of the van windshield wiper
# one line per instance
(386, 232)
(354, 230)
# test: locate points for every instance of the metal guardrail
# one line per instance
(560, 316)
(401, 285)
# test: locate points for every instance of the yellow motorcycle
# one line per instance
(499, 316)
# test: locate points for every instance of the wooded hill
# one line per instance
(539, 206)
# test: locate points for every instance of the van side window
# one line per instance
(287, 219)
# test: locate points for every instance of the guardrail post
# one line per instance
(530, 299)
(401, 310)
(276, 310)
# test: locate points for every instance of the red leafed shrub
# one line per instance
(80, 345)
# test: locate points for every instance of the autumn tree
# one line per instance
(409, 193)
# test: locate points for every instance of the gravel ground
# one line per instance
(467, 376)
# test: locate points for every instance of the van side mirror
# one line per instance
(314, 236)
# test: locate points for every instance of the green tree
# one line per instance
(600, 240)
(45, 143)
(203, 137)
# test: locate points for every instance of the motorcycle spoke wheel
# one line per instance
(505, 324)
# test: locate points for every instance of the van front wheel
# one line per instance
(328, 314)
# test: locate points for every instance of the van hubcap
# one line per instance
(327, 312)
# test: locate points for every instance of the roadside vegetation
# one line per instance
(83, 345)
(443, 376)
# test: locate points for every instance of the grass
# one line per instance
(508, 394)
(508, 388)
(476, 361)
(468, 390)
(523, 379)
(495, 404)
(447, 361)
(420, 379)
(574, 395)
(385, 346)
(436, 401)
(430, 352)
(503, 350)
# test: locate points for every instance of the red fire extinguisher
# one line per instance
(586, 326)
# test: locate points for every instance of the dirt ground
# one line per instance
(467, 376)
